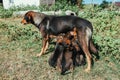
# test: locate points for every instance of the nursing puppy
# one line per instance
(66, 55)
(63, 61)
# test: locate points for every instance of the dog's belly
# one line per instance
(57, 32)
(57, 29)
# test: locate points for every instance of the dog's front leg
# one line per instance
(45, 43)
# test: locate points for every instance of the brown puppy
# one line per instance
(79, 57)
(65, 61)
(67, 56)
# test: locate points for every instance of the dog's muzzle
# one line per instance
(24, 21)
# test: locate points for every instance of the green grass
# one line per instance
(19, 45)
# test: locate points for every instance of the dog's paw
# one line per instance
(87, 70)
(58, 69)
(38, 55)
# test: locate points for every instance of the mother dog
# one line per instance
(54, 25)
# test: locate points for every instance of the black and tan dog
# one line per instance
(54, 25)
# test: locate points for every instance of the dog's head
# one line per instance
(28, 18)
(32, 17)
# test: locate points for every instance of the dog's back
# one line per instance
(63, 24)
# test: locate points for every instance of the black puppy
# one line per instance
(62, 58)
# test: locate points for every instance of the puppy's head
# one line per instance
(66, 39)
(28, 18)
(63, 40)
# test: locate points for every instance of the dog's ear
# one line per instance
(29, 16)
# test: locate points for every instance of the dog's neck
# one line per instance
(38, 19)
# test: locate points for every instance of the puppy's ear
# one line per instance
(71, 33)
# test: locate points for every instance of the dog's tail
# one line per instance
(94, 50)
(92, 47)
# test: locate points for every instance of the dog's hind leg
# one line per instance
(87, 54)
(83, 38)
